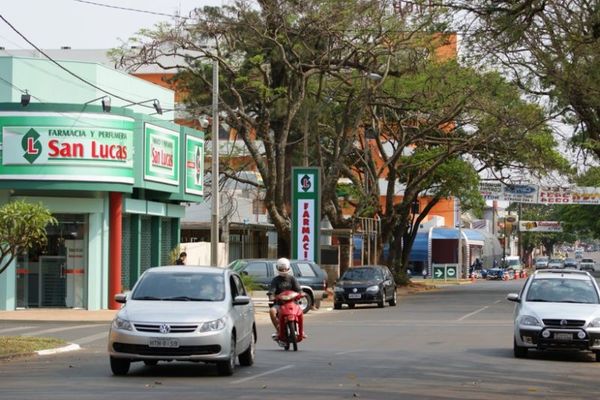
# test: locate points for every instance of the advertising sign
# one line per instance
(306, 213)
(161, 155)
(67, 147)
(555, 195)
(194, 165)
(540, 226)
(521, 193)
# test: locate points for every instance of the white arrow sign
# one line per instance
(438, 273)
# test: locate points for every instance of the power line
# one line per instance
(69, 71)
(131, 9)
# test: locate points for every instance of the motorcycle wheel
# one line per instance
(291, 334)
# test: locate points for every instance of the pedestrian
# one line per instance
(181, 259)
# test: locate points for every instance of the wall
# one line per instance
(198, 253)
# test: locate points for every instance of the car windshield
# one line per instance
(556, 260)
(362, 274)
(562, 291)
(180, 287)
(587, 260)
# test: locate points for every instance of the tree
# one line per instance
(22, 226)
(322, 73)
(551, 48)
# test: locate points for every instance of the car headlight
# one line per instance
(595, 323)
(373, 289)
(212, 326)
(122, 324)
(529, 320)
(338, 289)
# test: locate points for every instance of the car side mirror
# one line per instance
(513, 297)
(121, 298)
(241, 300)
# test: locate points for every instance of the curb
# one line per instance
(64, 349)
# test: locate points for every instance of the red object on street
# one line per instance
(114, 250)
(290, 320)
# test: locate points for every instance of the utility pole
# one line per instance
(214, 221)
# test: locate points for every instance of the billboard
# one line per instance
(306, 213)
(540, 226)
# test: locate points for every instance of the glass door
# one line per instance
(52, 281)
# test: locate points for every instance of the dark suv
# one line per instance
(310, 276)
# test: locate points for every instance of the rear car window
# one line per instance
(305, 269)
(258, 269)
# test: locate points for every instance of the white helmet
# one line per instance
(283, 266)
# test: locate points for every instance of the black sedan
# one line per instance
(363, 285)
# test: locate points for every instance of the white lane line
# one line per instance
(348, 352)
(64, 328)
(263, 374)
(20, 328)
(498, 301)
(473, 313)
(91, 338)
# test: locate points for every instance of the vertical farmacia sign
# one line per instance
(51, 146)
(306, 213)
(161, 155)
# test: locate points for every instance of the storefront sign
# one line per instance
(161, 155)
(306, 213)
(66, 147)
(540, 226)
(194, 165)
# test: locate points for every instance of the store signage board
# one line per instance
(306, 213)
(161, 155)
(53, 146)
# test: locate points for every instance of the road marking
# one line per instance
(20, 328)
(64, 328)
(71, 347)
(498, 301)
(473, 313)
(263, 374)
(91, 338)
(348, 352)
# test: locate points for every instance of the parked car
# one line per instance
(513, 263)
(556, 263)
(184, 313)
(310, 276)
(570, 263)
(363, 285)
(541, 262)
(557, 309)
(587, 264)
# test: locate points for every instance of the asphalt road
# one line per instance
(452, 343)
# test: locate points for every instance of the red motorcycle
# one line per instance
(290, 320)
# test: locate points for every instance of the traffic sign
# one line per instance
(439, 272)
(451, 272)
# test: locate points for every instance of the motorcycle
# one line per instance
(290, 320)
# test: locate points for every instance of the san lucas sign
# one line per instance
(161, 155)
(67, 147)
(306, 213)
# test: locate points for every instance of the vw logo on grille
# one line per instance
(563, 322)
(355, 290)
(164, 328)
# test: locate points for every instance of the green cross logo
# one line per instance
(31, 145)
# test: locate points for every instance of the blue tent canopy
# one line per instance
(420, 249)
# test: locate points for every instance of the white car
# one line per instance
(557, 309)
(184, 313)
(587, 264)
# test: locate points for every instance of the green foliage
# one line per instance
(249, 283)
(22, 225)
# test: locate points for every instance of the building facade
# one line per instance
(116, 180)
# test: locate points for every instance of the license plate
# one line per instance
(563, 336)
(354, 295)
(160, 342)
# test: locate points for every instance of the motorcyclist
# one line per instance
(282, 282)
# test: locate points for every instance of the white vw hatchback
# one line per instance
(184, 313)
(557, 309)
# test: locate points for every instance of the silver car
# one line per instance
(557, 309)
(184, 313)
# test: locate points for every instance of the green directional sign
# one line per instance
(451, 272)
(439, 272)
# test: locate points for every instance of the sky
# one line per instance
(51, 24)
